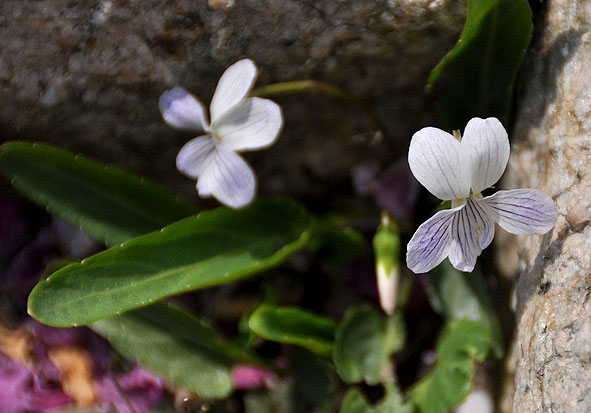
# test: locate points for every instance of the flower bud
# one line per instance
(386, 245)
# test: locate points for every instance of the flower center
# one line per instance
(458, 202)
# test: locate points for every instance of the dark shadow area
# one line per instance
(540, 72)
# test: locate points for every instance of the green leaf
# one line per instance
(394, 333)
(476, 77)
(314, 377)
(355, 402)
(179, 347)
(108, 203)
(461, 295)
(364, 342)
(292, 325)
(338, 245)
(450, 380)
(216, 247)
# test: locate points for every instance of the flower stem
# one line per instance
(301, 86)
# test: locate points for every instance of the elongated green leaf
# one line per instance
(476, 77)
(179, 347)
(216, 247)
(450, 380)
(292, 325)
(110, 204)
(364, 342)
(460, 295)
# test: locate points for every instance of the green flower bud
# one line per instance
(386, 244)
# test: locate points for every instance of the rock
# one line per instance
(551, 151)
(86, 75)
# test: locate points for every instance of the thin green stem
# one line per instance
(302, 86)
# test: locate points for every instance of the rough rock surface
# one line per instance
(86, 75)
(551, 150)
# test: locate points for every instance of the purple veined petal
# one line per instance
(437, 161)
(195, 155)
(232, 87)
(522, 211)
(228, 178)
(472, 230)
(183, 111)
(485, 224)
(487, 143)
(254, 123)
(430, 243)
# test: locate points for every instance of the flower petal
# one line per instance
(254, 123)
(436, 160)
(523, 211)
(232, 87)
(430, 243)
(228, 178)
(181, 110)
(472, 230)
(487, 143)
(194, 156)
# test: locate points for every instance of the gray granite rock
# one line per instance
(86, 75)
(551, 150)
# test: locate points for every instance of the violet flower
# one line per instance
(459, 169)
(238, 123)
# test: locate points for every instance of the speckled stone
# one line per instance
(551, 151)
(86, 75)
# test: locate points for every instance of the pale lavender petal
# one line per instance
(485, 224)
(472, 230)
(438, 162)
(183, 111)
(228, 178)
(232, 87)
(487, 143)
(430, 243)
(254, 123)
(522, 211)
(195, 156)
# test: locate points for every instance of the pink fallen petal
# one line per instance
(249, 377)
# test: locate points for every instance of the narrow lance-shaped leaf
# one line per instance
(110, 204)
(292, 325)
(450, 380)
(476, 78)
(214, 248)
(179, 347)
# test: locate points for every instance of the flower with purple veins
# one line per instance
(238, 123)
(459, 169)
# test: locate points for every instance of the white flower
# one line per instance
(458, 170)
(238, 123)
